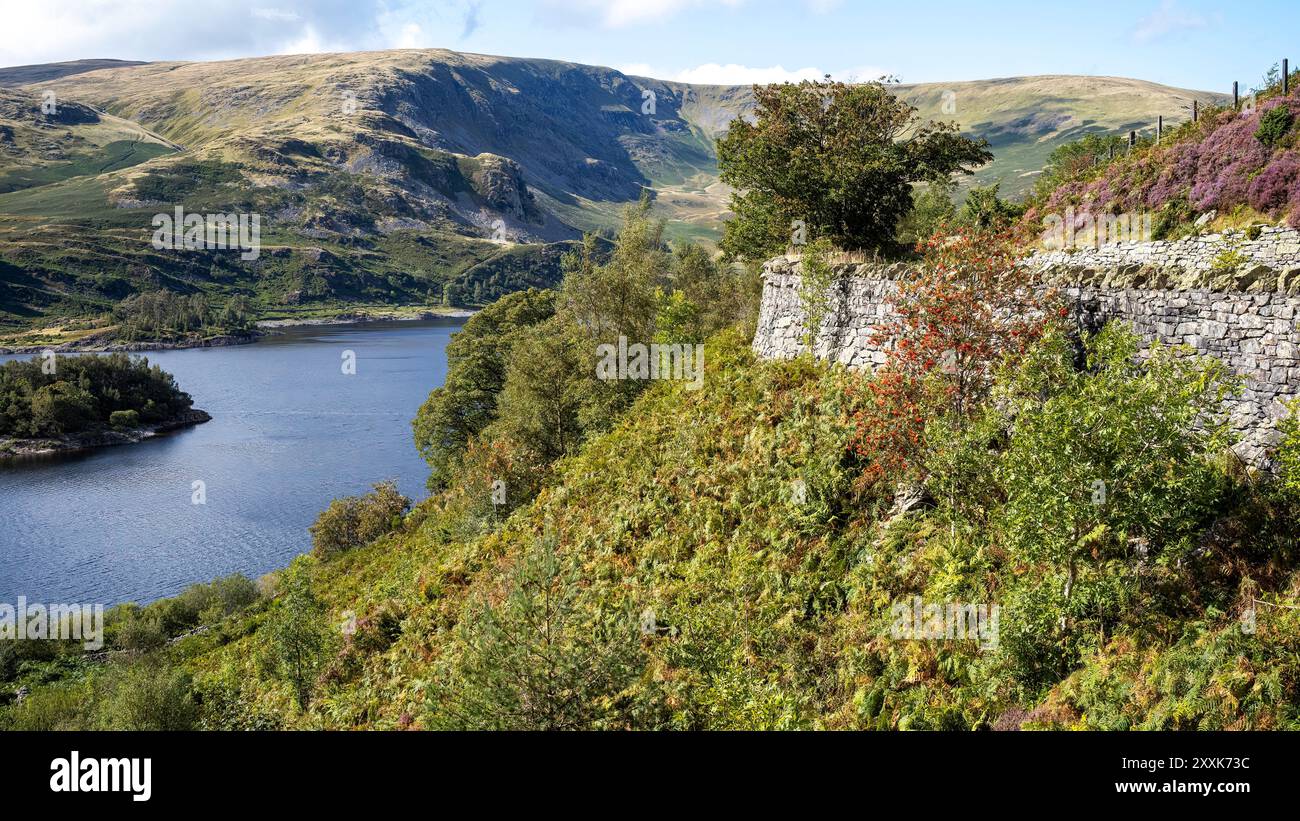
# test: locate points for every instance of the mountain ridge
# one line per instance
(410, 168)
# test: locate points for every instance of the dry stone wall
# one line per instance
(1173, 292)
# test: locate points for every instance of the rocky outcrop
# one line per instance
(102, 438)
(500, 183)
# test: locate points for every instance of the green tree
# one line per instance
(1107, 465)
(1288, 451)
(466, 403)
(297, 635)
(617, 297)
(62, 408)
(932, 209)
(841, 158)
(544, 389)
(356, 521)
(541, 659)
(984, 210)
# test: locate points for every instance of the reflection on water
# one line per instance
(290, 431)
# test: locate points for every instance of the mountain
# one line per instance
(407, 176)
(1025, 118)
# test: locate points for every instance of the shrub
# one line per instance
(1288, 451)
(356, 521)
(1107, 466)
(1273, 125)
(147, 696)
(55, 708)
(140, 633)
(538, 660)
(124, 419)
(1270, 191)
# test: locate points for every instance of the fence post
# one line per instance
(1160, 128)
(1236, 100)
(1196, 111)
(1286, 78)
(1132, 140)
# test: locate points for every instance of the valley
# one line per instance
(419, 178)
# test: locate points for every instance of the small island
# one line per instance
(52, 404)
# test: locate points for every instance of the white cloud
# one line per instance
(620, 13)
(52, 30)
(1168, 19)
(734, 74)
(276, 14)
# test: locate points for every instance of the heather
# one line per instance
(1226, 162)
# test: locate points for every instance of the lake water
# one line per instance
(290, 431)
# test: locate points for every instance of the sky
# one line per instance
(1188, 43)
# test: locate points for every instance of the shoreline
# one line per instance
(88, 345)
(261, 329)
(343, 319)
(20, 449)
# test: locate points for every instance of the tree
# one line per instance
(541, 659)
(298, 636)
(356, 521)
(985, 211)
(466, 403)
(840, 158)
(544, 390)
(61, 408)
(617, 297)
(967, 308)
(932, 209)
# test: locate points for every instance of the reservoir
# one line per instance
(291, 430)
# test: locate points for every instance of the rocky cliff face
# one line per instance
(1253, 329)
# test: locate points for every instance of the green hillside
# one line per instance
(689, 586)
(382, 175)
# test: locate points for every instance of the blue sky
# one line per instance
(1190, 43)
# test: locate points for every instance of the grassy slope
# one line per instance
(1024, 118)
(779, 611)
